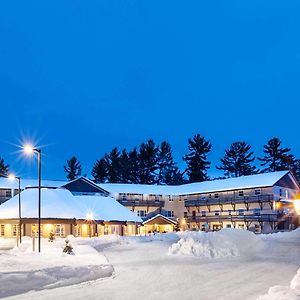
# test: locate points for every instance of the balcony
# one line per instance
(229, 200)
(145, 203)
(234, 218)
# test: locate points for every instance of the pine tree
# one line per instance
(196, 159)
(168, 172)
(133, 166)
(276, 158)
(73, 168)
(124, 167)
(237, 160)
(100, 171)
(3, 168)
(113, 166)
(148, 162)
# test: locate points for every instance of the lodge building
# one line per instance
(259, 202)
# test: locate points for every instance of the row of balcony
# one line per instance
(234, 218)
(229, 200)
(143, 203)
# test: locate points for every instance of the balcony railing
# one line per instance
(229, 200)
(234, 218)
(147, 203)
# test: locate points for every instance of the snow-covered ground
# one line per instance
(230, 264)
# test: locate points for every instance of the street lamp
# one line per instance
(29, 149)
(12, 177)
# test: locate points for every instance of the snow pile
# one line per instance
(23, 270)
(278, 292)
(224, 243)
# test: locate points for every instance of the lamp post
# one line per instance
(13, 177)
(28, 149)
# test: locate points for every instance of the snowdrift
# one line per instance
(291, 292)
(220, 244)
(23, 270)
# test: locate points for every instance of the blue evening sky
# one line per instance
(80, 77)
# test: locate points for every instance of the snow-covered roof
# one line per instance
(160, 216)
(62, 204)
(13, 184)
(243, 182)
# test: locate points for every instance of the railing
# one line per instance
(234, 218)
(229, 200)
(148, 203)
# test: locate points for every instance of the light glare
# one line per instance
(297, 206)
(89, 216)
(11, 177)
(28, 149)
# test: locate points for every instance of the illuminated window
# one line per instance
(59, 230)
(14, 230)
(2, 230)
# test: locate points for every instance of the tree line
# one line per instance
(152, 163)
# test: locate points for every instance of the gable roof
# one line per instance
(25, 183)
(62, 204)
(168, 220)
(83, 184)
(243, 182)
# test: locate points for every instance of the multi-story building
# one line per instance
(260, 202)
(255, 201)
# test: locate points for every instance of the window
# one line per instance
(185, 214)
(124, 198)
(194, 214)
(229, 212)
(142, 213)
(156, 198)
(14, 230)
(217, 212)
(171, 198)
(241, 226)
(280, 192)
(209, 196)
(2, 230)
(257, 192)
(241, 193)
(241, 212)
(228, 226)
(8, 193)
(256, 211)
(170, 213)
(203, 213)
(286, 194)
(216, 195)
(59, 230)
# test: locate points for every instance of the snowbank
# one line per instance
(291, 292)
(23, 270)
(224, 243)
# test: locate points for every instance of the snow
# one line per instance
(224, 243)
(278, 292)
(142, 268)
(61, 203)
(23, 270)
(13, 184)
(243, 182)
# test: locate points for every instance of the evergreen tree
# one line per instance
(100, 170)
(124, 167)
(133, 166)
(73, 168)
(276, 158)
(196, 159)
(3, 168)
(148, 157)
(113, 166)
(168, 172)
(237, 160)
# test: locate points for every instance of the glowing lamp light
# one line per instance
(11, 177)
(89, 216)
(28, 149)
(297, 206)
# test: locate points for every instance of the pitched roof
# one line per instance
(243, 182)
(168, 220)
(13, 184)
(62, 204)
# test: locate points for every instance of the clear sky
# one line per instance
(80, 77)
